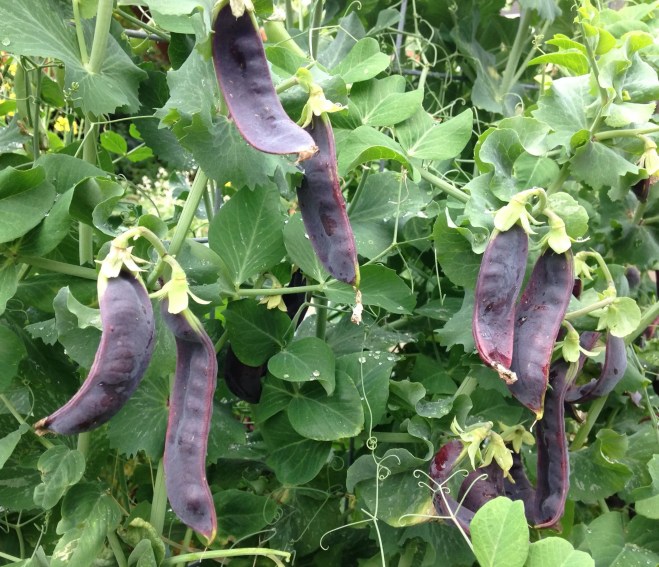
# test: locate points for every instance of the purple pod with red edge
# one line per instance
(244, 78)
(615, 364)
(323, 207)
(120, 362)
(190, 412)
(499, 281)
(538, 319)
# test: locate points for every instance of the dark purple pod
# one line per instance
(441, 469)
(538, 319)
(499, 282)
(190, 412)
(323, 208)
(122, 357)
(615, 364)
(521, 489)
(244, 78)
(475, 492)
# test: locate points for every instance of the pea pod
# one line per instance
(480, 486)
(244, 78)
(122, 358)
(190, 411)
(499, 282)
(323, 207)
(538, 319)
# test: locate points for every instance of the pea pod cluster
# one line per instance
(122, 357)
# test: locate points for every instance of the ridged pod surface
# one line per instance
(122, 357)
(497, 287)
(244, 78)
(481, 486)
(190, 412)
(538, 319)
(323, 208)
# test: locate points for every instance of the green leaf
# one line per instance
(620, 318)
(305, 360)
(50, 233)
(9, 274)
(275, 397)
(247, 233)
(60, 468)
(532, 171)
(366, 144)
(625, 113)
(557, 552)
(113, 142)
(597, 471)
(140, 154)
(65, 171)
(25, 198)
(139, 530)
(380, 286)
(88, 514)
(315, 415)
(256, 332)
(499, 152)
(599, 166)
(499, 534)
(574, 61)
(572, 213)
(454, 253)
(457, 331)
(11, 137)
(647, 497)
(295, 459)
(12, 351)
(364, 62)
(8, 443)
(39, 28)
(422, 137)
(370, 371)
(93, 202)
(383, 102)
(78, 338)
(17, 484)
(240, 513)
(300, 251)
(143, 555)
(547, 9)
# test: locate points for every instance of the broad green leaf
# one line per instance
(49, 234)
(532, 171)
(499, 534)
(11, 137)
(256, 332)
(454, 253)
(17, 485)
(9, 274)
(88, 514)
(315, 415)
(626, 113)
(457, 331)
(143, 555)
(60, 468)
(80, 343)
(300, 251)
(25, 198)
(275, 397)
(350, 31)
(247, 234)
(383, 102)
(599, 166)
(548, 9)
(139, 530)
(647, 497)
(173, 15)
(370, 371)
(38, 28)
(574, 61)
(8, 443)
(398, 498)
(380, 286)
(305, 360)
(556, 552)
(367, 144)
(499, 152)
(532, 133)
(572, 213)
(12, 351)
(240, 513)
(422, 137)
(93, 202)
(113, 142)
(226, 439)
(295, 459)
(65, 171)
(364, 62)
(597, 471)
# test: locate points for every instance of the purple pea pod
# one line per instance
(190, 412)
(538, 319)
(122, 358)
(244, 78)
(475, 492)
(521, 489)
(615, 364)
(323, 207)
(499, 282)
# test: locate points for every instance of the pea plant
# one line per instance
(329, 282)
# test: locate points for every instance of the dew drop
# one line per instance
(315, 373)
(6, 41)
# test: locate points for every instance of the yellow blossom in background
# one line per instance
(62, 125)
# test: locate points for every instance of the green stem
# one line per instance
(101, 32)
(85, 232)
(36, 143)
(646, 320)
(119, 555)
(445, 186)
(391, 437)
(602, 265)
(221, 553)
(59, 267)
(653, 414)
(277, 33)
(639, 212)
(593, 413)
(360, 189)
(139, 23)
(563, 174)
(289, 14)
(287, 84)
(315, 28)
(531, 53)
(279, 290)
(320, 302)
(651, 220)
(221, 341)
(467, 387)
(624, 133)
(515, 52)
(8, 557)
(18, 417)
(188, 212)
(604, 97)
(187, 538)
(572, 315)
(208, 204)
(80, 33)
(84, 442)
(159, 501)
